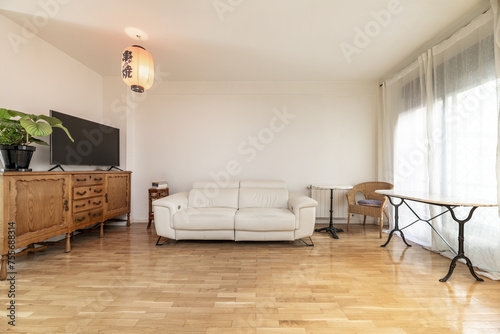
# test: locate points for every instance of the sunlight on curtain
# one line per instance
(463, 155)
(445, 116)
(408, 96)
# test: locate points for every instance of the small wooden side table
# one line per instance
(154, 194)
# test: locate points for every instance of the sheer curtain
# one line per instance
(405, 119)
(442, 112)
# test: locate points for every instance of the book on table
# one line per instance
(159, 184)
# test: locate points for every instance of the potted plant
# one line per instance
(18, 131)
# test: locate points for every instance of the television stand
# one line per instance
(56, 166)
(64, 202)
(114, 167)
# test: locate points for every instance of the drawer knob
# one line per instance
(81, 194)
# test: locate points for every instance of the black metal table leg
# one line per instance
(331, 229)
(396, 223)
(461, 253)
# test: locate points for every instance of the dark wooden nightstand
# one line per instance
(155, 193)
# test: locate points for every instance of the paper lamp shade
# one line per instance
(137, 68)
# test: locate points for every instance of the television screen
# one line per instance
(95, 144)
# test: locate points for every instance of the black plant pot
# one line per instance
(16, 158)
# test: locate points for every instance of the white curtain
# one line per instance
(404, 121)
(442, 119)
(495, 7)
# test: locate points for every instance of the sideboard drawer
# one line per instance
(87, 179)
(87, 204)
(87, 217)
(96, 215)
(84, 192)
(96, 202)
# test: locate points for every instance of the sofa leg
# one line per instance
(158, 242)
(310, 244)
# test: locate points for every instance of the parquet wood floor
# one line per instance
(123, 283)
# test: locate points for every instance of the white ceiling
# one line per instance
(244, 40)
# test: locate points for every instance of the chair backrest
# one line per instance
(263, 194)
(368, 191)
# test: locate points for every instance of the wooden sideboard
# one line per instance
(42, 205)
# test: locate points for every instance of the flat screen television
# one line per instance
(95, 144)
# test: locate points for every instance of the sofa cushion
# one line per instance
(263, 194)
(264, 219)
(205, 219)
(208, 194)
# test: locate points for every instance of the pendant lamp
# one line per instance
(137, 68)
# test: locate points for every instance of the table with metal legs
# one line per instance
(330, 228)
(447, 202)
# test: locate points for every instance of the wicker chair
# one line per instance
(373, 205)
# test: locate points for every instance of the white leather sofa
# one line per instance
(240, 211)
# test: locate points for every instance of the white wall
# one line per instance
(114, 111)
(37, 77)
(187, 131)
(184, 132)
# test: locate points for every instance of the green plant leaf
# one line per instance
(18, 128)
(51, 120)
(10, 123)
(12, 134)
(60, 126)
(4, 114)
(56, 123)
(40, 128)
(38, 141)
(15, 113)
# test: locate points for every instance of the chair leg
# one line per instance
(348, 220)
(382, 221)
(385, 212)
(364, 220)
(381, 225)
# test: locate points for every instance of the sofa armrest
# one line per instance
(297, 201)
(173, 203)
(304, 209)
